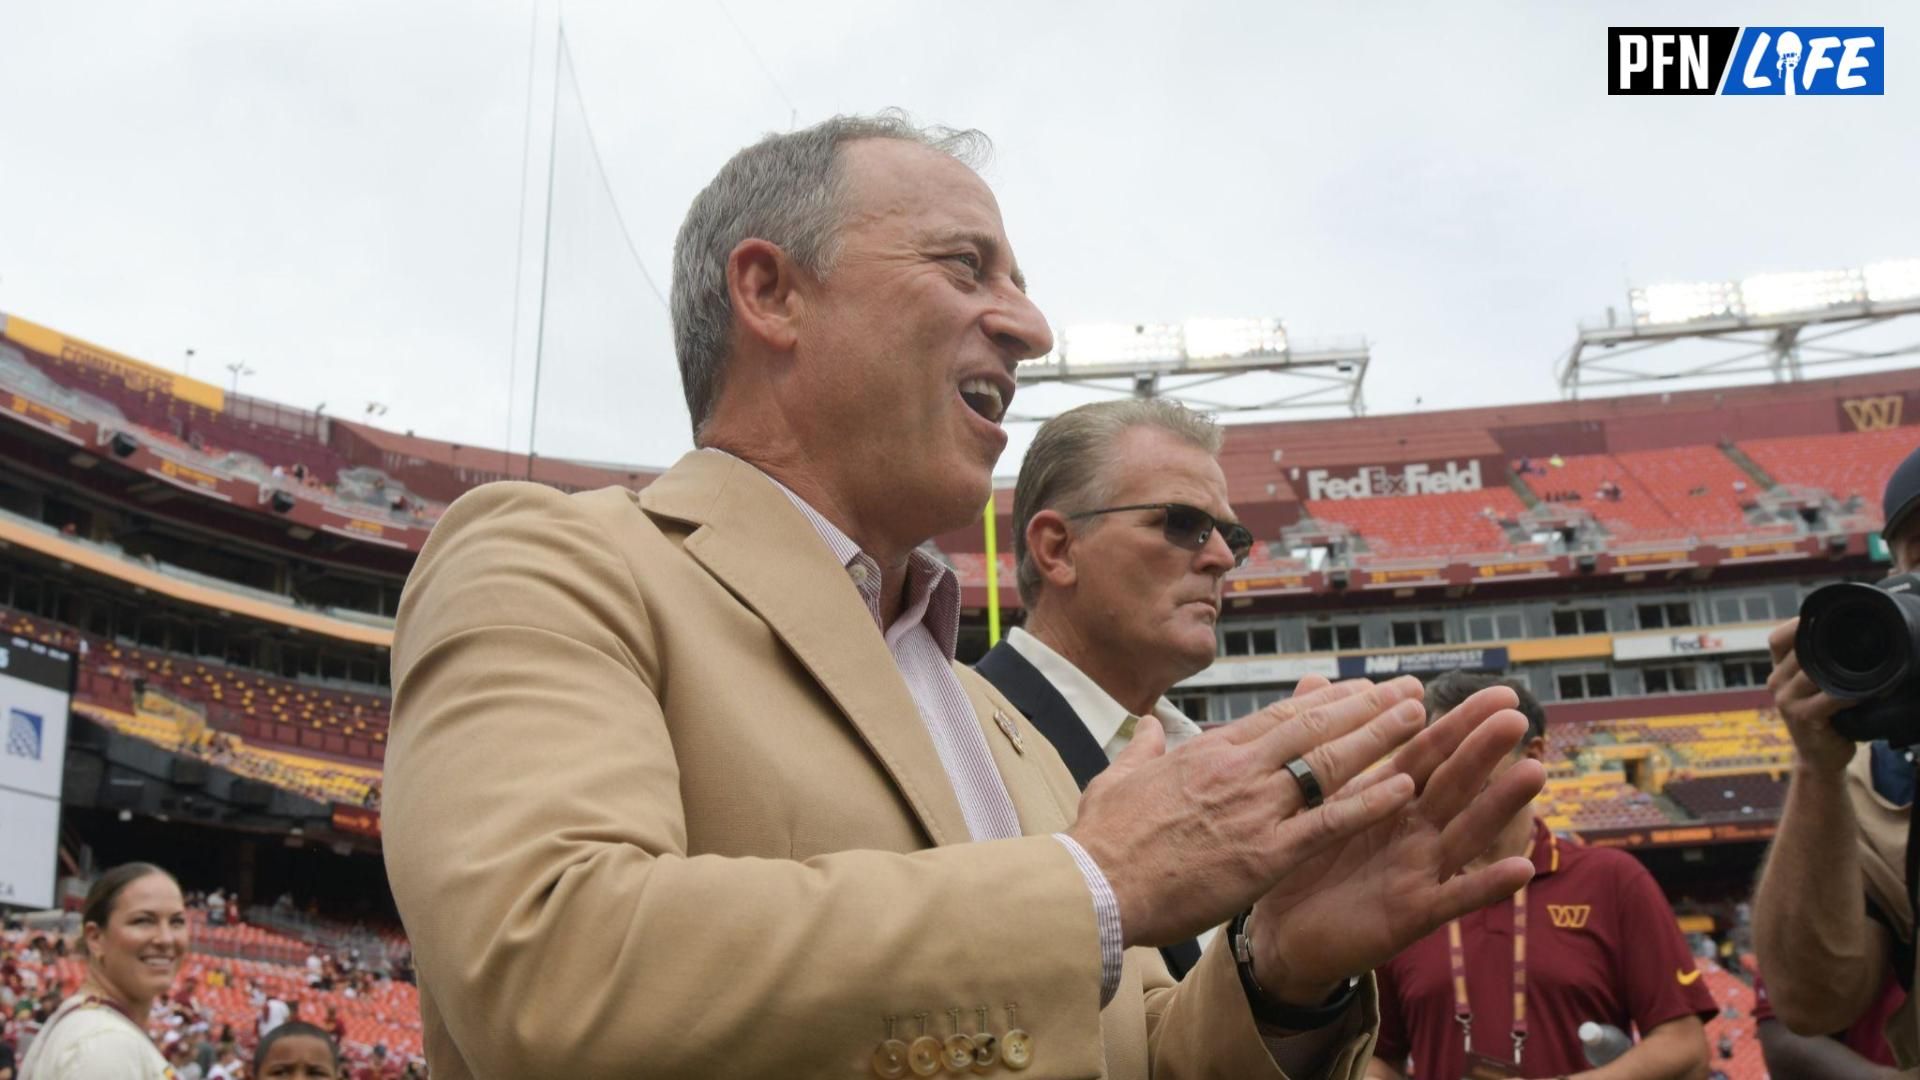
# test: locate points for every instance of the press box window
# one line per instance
(1260, 642)
(1192, 706)
(1733, 609)
(1664, 616)
(1420, 632)
(1579, 621)
(1241, 702)
(1672, 680)
(1332, 638)
(1745, 672)
(1586, 684)
(1502, 627)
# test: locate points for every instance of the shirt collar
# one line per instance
(933, 590)
(1545, 849)
(1096, 708)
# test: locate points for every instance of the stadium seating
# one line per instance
(290, 723)
(1701, 488)
(1730, 798)
(286, 711)
(316, 778)
(1734, 1025)
(1742, 738)
(1576, 481)
(1664, 494)
(1844, 466)
(1722, 766)
(1457, 523)
(1598, 800)
(971, 568)
(164, 418)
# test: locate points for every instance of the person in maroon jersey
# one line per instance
(1859, 1053)
(1590, 938)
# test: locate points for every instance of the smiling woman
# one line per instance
(135, 935)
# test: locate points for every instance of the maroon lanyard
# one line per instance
(1457, 956)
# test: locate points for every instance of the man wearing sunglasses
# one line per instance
(1123, 533)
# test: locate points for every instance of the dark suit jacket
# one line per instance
(1034, 695)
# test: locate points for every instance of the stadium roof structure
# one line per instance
(1777, 324)
(1173, 360)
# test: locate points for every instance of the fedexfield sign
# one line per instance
(1380, 481)
(1737, 639)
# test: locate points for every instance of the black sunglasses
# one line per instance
(1190, 527)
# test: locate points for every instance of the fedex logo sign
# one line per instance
(1375, 482)
(1747, 61)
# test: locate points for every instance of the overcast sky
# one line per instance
(329, 192)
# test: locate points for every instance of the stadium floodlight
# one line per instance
(1682, 301)
(1778, 323)
(1226, 339)
(1175, 360)
(1893, 279)
(1809, 290)
(1095, 344)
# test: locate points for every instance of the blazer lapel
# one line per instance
(1034, 695)
(1018, 751)
(753, 539)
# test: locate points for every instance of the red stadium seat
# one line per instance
(1458, 523)
(1845, 466)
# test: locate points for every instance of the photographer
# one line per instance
(1824, 951)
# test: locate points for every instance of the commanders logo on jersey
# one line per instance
(1569, 916)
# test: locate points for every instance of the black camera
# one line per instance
(1862, 643)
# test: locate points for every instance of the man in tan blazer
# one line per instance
(686, 783)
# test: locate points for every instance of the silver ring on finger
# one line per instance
(1309, 783)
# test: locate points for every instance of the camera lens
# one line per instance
(1854, 638)
(1858, 641)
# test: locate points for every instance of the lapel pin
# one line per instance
(1012, 733)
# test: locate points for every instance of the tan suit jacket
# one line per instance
(658, 803)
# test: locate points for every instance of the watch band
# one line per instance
(1274, 1013)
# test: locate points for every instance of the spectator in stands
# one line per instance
(229, 1066)
(178, 1051)
(274, 1013)
(336, 1028)
(1842, 836)
(134, 926)
(1595, 941)
(706, 744)
(1123, 534)
(297, 1051)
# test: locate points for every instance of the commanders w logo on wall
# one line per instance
(1875, 413)
(1569, 916)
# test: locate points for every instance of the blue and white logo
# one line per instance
(23, 734)
(1748, 61)
(1797, 61)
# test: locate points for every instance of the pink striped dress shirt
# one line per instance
(922, 642)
